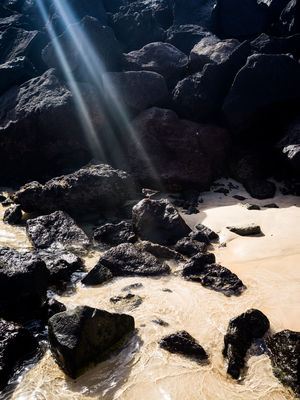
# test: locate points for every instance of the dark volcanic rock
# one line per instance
(236, 19)
(265, 84)
(190, 247)
(185, 37)
(128, 259)
(115, 233)
(57, 231)
(98, 275)
(163, 58)
(284, 348)
(54, 307)
(260, 189)
(127, 302)
(266, 44)
(290, 18)
(195, 12)
(136, 90)
(215, 277)
(159, 251)
(106, 48)
(207, 231)
(15, 72)
(290, 146)
(199, 237)
(94, 188)
(136, 26)
(179, 153)
(158, 221)
(245, 230)
(43, 104)
(61, 267)
(16, 344)
(183, 343)
(196, 264)
(23, 284)
(241, 332)
(13, 214)
(84, 336)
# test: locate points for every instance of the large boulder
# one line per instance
(158, 221)
(266, 44)
(23, 284)
(190, 247)
(98, 275)
(284, 351)
(135, 90)
(175, 152)
(16, 344)
(84, 336)
(129, 260)
(94, 188)
(105, 53)
(56, 231)
(185, 37)
(240, 19)
(115, 233)
(43, 104)
(15, 72)
(195, 12)
(135, 26)
(266, 84)
(159, 57)
(241, 332)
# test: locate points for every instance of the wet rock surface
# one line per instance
(82, 337)
(13, 215)
(115, 233)
(129, 260)
(98, 275)
(284, 348)
(183, 343)
(241, 332)
(126, 303)
(56, 231)
(159, 251)
(16, 344)
(54, 307)
(26, 275)
(71, 193)
(158, 221)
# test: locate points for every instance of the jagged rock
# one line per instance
(136, 90)
(245, 230)
(135, 26)
(284, 349)
(207, 231)
(13, 214)
(43, 104)
(93, 188)
(241, 332)
(98, 275)
(61, 267)
(265, 84)
(56, 231)
(15, 72)
(183, 343)
(126, 303)
(163, 58)
(81, 337)
(290, 18)
(235, 19)
(23, 284)
(159, 251)
(213, 276)
(128, 259)
(290, 146)
(180, 153)
(266, 44)
(158, 221)
(190, 247)
(195, 12)
(54, 307)
(115, 233)
(195, 265)
(185, 37)
(16, 344)
(199, 237)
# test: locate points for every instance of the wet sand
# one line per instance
(269, 266)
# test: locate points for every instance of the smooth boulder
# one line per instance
(158, 221)
(84, 336)
(241, 332)
(245, 230)
(93, 188)
(56, 231)
(129, 260)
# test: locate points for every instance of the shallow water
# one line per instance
(269, 266)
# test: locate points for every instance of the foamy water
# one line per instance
(268, 265)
